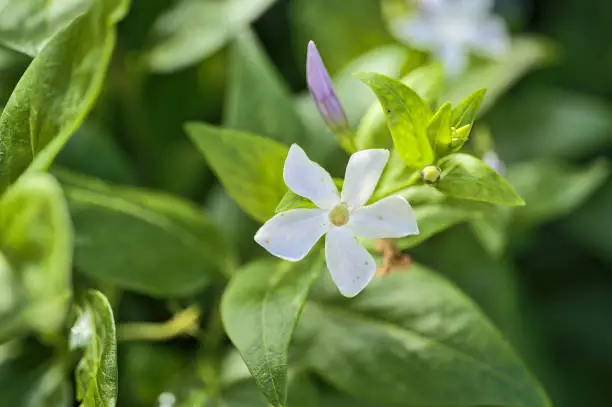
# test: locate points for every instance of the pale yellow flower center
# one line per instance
(339, 215)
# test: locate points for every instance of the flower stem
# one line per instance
(184, 322)
(412, 181)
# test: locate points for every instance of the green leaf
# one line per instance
(407, 117)
(36, 240)
(439, 129)
(291, 200)
(492, 227)
(553, 189)
(414, 328)
(250, 167)
(27, 25)
(57, 91)
(258, 99)
(465, 112)
(426, 80)
(190, 31)
(141, 240)
(526, 54)
(30, 378)
(467, 177)
(96, 372)
(433, 219)
(260, 309)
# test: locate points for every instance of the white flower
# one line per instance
(451, 29)
(290, 235)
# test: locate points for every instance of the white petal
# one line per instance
(362, 174)
(308, 179)
(455, 58)
(417, 31)
(390, 217)
(290, 235)
(491, 37)
(350, 265)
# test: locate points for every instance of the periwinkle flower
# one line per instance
(322, 91)
(290, 235)
(452, 29)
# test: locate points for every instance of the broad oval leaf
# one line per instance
(260, 309)
(407, 117)
(250, 167)
(412, 338)
(426, 80)
(27, 25)
(466, 177)
(258, 100)
(57, 91)
(96, 372)
(192, 30)
(140, 240)
(36, 240)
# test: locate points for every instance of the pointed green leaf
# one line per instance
(258, 99)
(117, 226)
(407, 117)
(36, 239)
(57, 91)
(27, 25)
(413, 327)
(439, 129)
(427, 81)
(96, 372)
(260, 309)
(250, 167)
(467, 177)
(190, 31)
(465, 112)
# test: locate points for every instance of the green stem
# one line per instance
(347, 141)
(414, 179)
(185, 322)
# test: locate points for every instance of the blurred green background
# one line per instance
(549, 290)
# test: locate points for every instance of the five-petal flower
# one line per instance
(451, 29)
(341, 217)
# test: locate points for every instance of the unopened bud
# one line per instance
(322, 91)
(430, 174)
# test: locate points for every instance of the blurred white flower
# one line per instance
(452, 29)
(291, 235)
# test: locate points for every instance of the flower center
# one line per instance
(339, 215)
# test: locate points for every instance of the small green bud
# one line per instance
(459, 137)
(430, 174)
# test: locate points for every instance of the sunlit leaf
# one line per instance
(407, 116)
(250, 167)
(467, 177)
